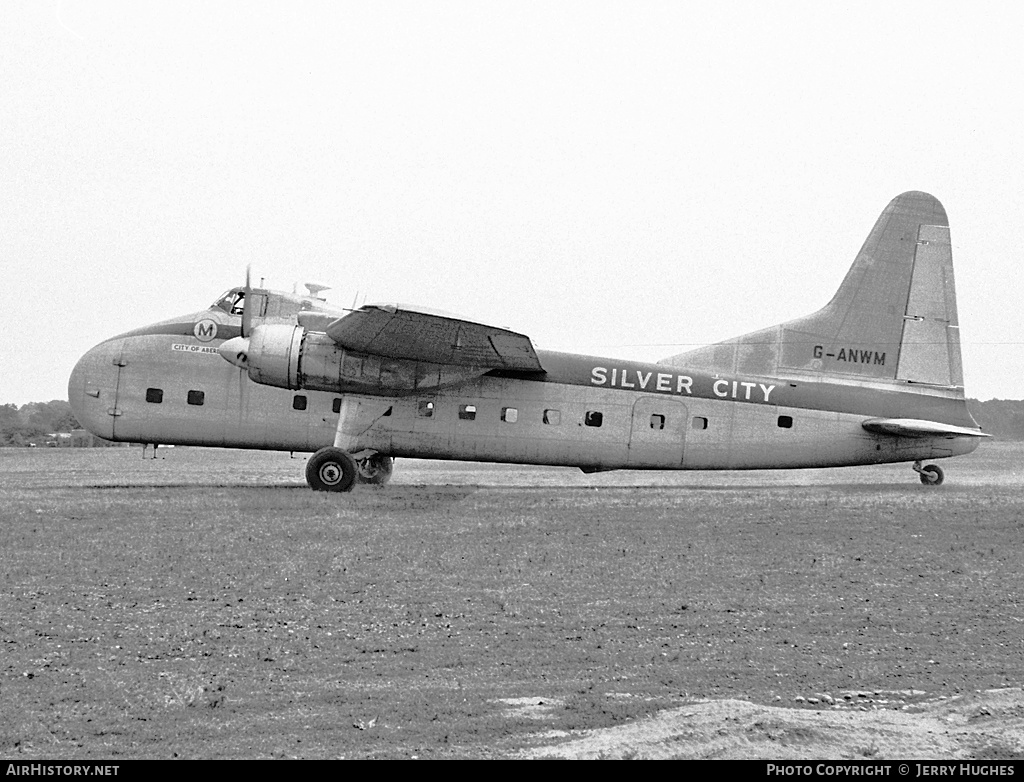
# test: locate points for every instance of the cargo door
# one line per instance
(657, 432)
(92, 388)
(115, 411)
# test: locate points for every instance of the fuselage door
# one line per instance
(118, 362)
(93, 388)
(657, 433)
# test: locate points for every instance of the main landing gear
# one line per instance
(334, 469)
(375, 469)
(931, 475)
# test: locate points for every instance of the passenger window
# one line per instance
(155, 395)
(785, 422)
(510, 414)
(657, 421)
(467, 412)
(336, 406)
(196, 397)
(298, 402)
(425, 409)
(593, 418)
(699, 422)
(553, 417)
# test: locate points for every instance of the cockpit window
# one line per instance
(232, 302)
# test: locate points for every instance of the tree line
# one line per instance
(33, 423)
(1001, 418)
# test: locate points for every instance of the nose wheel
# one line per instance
(331, 469)
(931, 475)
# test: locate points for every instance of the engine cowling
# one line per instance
(274, 354)
(289, 356)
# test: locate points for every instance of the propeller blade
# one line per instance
(246, 302)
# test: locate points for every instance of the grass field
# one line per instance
(207, 604)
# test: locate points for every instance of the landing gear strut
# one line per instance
(331, 469)
(931, 475)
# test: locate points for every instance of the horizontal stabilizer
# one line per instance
(916, 427)
(420, 335)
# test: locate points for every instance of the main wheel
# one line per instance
(932, 475)
(331, 469)
(375, 469)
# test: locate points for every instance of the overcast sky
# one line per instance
(628, 179)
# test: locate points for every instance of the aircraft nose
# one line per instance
(92, 389)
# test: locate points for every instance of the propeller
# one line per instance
(246, 302)
(236, 350)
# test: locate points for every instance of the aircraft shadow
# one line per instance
(402, 491)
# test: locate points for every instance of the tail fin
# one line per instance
(892, 320)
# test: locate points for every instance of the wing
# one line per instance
(417, 334)
(916, 427)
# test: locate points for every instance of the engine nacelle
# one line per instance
(290, 357)
(273, 355)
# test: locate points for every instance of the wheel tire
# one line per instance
(932, 475)
(375, 469)
(331, 469)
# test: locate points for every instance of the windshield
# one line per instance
(231, 302)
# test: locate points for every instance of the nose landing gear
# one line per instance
(931, 475)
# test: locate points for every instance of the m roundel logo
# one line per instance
(205, 330)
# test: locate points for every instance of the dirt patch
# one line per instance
(742, 730)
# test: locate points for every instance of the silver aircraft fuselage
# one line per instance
(166, 384)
